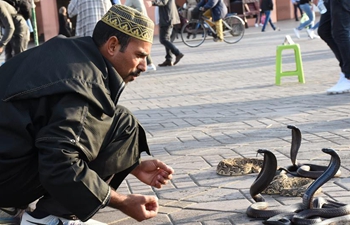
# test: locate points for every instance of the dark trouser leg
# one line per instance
(22, 189)
(296, 12)
(149, 59)
(18, 44)
(120, 154)
(8, 51)
(325, 32)
(340, 12)
(164, 39)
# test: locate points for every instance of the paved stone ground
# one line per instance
(221, 102)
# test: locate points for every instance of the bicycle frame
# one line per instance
(205, 20)
(206, 25)
(194, 32)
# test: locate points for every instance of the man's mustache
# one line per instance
(135, 73)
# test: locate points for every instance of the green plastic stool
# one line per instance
(298, 63)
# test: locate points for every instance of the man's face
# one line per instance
(130, 63)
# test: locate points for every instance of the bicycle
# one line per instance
(194, 32)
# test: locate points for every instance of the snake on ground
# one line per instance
(310, 210)
(302, 170)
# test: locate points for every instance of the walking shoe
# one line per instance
(10, 216)
(151, 67)
(296, 31)
(27, 219)
(342, 86)
(256, 25)
(316, 36)
(166, 63)
(310, 33)
(178, 58)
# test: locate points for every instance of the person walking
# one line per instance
(15, 37)
(306, 6)
(266, 8)
(334, 29)
(168, 17)
(140, 6)
(64, 138)
(88, 12)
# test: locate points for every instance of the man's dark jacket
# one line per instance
(57, 104)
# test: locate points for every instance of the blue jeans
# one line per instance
(334, 29)
(268, 19)
(307, 9)
(316, 25)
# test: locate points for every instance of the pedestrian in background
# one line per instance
(88, 12)
(15, 37)
(266, 8)
(65, 26)
(334, 29)
(296, 8)
(140, 6)
(168, 17)
(306, 6)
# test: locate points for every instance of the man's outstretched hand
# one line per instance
(153, 172)
(139, 207)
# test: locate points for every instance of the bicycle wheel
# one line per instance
(193, 33)
(233, 28)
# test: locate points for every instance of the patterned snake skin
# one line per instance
(282, 184)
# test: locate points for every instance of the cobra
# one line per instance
(260, 209)
(302, 170)
(298, 213)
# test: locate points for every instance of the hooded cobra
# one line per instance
(260, 208)
(302, 170)
(311, 210)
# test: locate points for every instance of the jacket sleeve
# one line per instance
(210, 4)
(70, 140)
(7, 22)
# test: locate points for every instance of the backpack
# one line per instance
(23, 7)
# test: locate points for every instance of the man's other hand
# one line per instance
(153, 172)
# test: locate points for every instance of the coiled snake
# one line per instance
(303, 174)
(310, 211)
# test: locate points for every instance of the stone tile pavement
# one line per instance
(221, 102)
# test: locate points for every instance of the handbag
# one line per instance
(263, 18)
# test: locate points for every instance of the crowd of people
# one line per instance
(61, 127)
